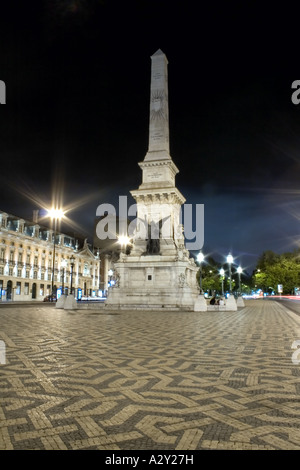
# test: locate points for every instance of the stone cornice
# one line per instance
(161, 196)
(156, 163)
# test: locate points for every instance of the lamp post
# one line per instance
(72, 259)
(222, 272)
(229, 261)
(54, 214)
(63, 265)
(200, 259)
(239, 270)
(110, 274)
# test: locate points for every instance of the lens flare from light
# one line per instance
(123, 240)
(56, 213)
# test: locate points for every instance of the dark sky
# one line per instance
(76, 120)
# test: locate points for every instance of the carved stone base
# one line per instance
(154, 282)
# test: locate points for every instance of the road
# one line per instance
(288, 302)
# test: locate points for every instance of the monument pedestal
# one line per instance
(154, 282)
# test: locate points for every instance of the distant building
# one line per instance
(26, 261)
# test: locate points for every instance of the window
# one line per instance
(19, 272)
(27, 275)
(26, 287)
(18, 288)
(86, 270)
(35, 275)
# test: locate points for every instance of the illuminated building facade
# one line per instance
(26, 262)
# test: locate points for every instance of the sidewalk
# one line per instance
(149, 380)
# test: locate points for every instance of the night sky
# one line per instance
(77, 75)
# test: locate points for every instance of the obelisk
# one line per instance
(158, 272)
(159, 147)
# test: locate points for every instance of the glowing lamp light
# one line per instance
(123, 240)
(56, 213)
(200, 259)
(229, 259)
(239, 270)
(222, 273)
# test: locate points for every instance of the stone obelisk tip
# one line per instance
(158, 52)
(159, 146)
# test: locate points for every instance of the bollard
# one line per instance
(2, 352)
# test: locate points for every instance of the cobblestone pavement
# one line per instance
(150, 380)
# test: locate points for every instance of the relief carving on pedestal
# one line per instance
(181, 280)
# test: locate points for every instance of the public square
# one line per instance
(100, 379)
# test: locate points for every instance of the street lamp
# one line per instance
(222, 272)
(110, 273)
(63, 265)
(55, 214)
(72, 259)
(239, 270)
(229, 261)
(200, 259)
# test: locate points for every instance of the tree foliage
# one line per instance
(274, 269)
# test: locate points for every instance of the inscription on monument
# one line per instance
(157, 75)
(155, 175)
(157, 136)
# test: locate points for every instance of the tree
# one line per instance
(210, 275)
(274, 269)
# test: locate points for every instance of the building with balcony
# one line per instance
(35, 259)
